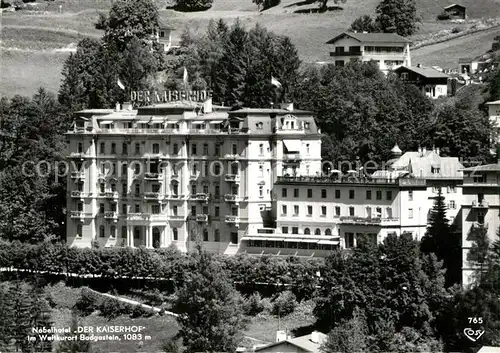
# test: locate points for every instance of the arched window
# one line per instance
(175, 234)
(217, 235)
(175, 188)
(101, 231)
(307, 231)
(156, 238)
(328, 231)
(317, 231)
(124, 232)
(205, 234)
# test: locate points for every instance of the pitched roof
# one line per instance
(164, 25)
(426, 72)
(484, 168)
(494, 102)
(421, 165)
(303, 342)
(454, 5)
(372, 38)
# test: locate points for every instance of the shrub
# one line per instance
(193, 5)
(443, 16)
(111, 308)
(87, 303)
(253, 305)
(140, 311)
(456, 30)
(267, 305)
(284, 303)
(267, 4)
(495, 46)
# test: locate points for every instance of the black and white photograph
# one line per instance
(249, 176)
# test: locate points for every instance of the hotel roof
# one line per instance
(372, 37)
(421, 165)
(303, 342)
(426, 72)
(484, 168)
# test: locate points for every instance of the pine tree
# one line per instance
(21, 306)
(73, 346)
(350, 336)
(40, 318)
(6, 318)
(479, 251)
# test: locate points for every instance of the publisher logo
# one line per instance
(473, 335)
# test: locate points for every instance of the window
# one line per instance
(379, 195)
(284, 230)
(80, 147)
(261, 170)
(124, 170)
(389, 212)
(137, 148)
(217, 211)
(323, 211)
(404, 75)
(79, 231)
(112, 234)
(205, 234)
(137, 189)
(101, 187)
(155, 209)
(261, 191)
(217, 235)
(378, 212)
(193, 210)
(452, 205)
(205, 149)
(175, 234)
(261, 149)
(295, 230)
(307, 148)
(309, 193)
(451, 189)
(162, 34)
(124, 208)
(317, 231)
(101, 208)
(410, 195)
(410, 213)
(349, 240)
(137, 208)
(309, 210)
(156, 148)
(193, 149)
(102, 148)
(176, 149)
(113, 187)
(175, 189)
(328, 231)
(351, 211)
(389, 195)
(217, 191)
(296, 210)
(113, 148)
(323, 193)
(337, 194)
(307, 231)
(234, 238)
(435, 170)
(193, 189)
(124, 232)
(283, 209)
(79, 206)
(102, 231)
(339, 62)
(479, 178)
(337, 211)
(368, 194)
(175, 210)
(351, 194)
(283, 192)
(234, 148)
(205, 210)
(124, 148)
(295, 192)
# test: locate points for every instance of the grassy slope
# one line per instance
(24, 71)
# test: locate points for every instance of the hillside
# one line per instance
(34, 45)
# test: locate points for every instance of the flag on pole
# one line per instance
(275, 82)
(185, 78)
(120, 84)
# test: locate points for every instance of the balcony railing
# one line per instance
(77, 175)
(291, 156)
(111, 215)
(177, 217)
(201, 218)
(232, 219)
(80, 214)
(346, 53)
(76, 193)
(77, 154)
(201, 197)
(152, 176)
(368, 220)
(232, 198)
(150, 195)
(232, 177)
(137, 216)
(111, 194)
(480, 204)
(350, 180)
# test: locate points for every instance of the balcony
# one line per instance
(137, 216)
(232, 156)
(150, 195)
(232, 219)
(346, 53)
(480, 204)
(77, 155)
(350, 180)
(233, 178)
(77, 194)
(234, 130)
(111, 215)
(194, 176)
(201, 218)
(111, 195)
(232, 198)
(177, 217)
(200, 197)
(479, 225)
(294, 156)
(152, 176)
(77, 175)
(80, 215)
(374, 221)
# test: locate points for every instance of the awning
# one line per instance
(106, 122)
(328, 242)
(197, 122)
(156, 119)
(217, 122)
(171, 122)
(293, 145)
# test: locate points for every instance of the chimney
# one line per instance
(287, 106)
(117, 107)
(280, 336)
(314, 337)
(127, 106)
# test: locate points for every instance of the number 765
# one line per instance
(475, 320)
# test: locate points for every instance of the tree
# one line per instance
(397, 16)
(350, 336)
(6, 317)
(40, 318)
(479, 251)
(193, 5)
(364, 24)
(211, 313)
(323, 3)
(73, 346)
(21, 306)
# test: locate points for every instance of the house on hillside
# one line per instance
(433, 83)
(494, 115)
(457, 12)
(163, 35)
(389, 50)
(468, 65)
(308, 343)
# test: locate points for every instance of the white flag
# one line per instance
(275, 82)
(120, 84)
(185, 78)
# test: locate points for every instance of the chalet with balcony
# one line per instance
(388, 50)
(433, 83)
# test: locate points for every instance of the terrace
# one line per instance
(350, 180)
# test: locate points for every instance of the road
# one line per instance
(446, 54)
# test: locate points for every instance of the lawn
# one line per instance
(23, 71)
